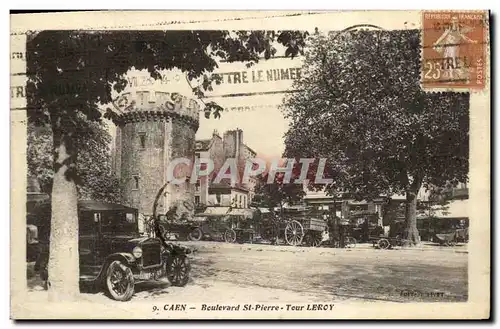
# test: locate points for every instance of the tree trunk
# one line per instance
(411, 231)
(333, 210)
(63, 266)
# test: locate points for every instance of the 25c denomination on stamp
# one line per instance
(454, 49)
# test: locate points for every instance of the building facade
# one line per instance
(219, 149)
(453, 204)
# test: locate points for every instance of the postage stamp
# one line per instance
(454, 49)
(190, 165)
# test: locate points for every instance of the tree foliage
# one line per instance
(96, 181)
(277, 193)
(71, 73)
(362, 108)
(360, 105)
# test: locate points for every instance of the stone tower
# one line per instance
(155, 123)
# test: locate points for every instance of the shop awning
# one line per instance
(264, 210)
(247, 213)
(214, 211)
(455, 209)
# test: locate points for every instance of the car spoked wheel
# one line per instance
(350, 242)
(383, 244)
(178, 268)
(119, 281)
(230, 236)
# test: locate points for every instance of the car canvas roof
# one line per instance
(102, 206)
(91, 205)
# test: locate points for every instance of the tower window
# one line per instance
(142, 140)
(136, 182)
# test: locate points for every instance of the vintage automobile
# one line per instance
(113, 254)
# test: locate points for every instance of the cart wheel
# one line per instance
(294, 233)
(251, 237)
(275, 241)
(195, 235)
(314, 239)
(270, 233)
(383, 244)
(230, 236)
(350, 242)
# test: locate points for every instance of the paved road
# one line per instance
(224, 272)
(440, 274)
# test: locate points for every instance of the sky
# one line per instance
(252, 104)
(251, 98)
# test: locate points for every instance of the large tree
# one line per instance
(70, 73)
(360, 105)
(276, 193)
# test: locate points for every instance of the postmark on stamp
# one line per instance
(454, 49)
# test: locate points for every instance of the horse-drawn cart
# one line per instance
(226, 224)
(315, 228)
(294, 229)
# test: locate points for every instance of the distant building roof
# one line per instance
(454, 209)
(243, 212)
(215, 211)
(251, 150)
(225, 183)
(323, 196)
(203, 144)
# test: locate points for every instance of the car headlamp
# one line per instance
(137, 252)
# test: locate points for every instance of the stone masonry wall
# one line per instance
(146, 163)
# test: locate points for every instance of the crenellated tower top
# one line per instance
(146, 99)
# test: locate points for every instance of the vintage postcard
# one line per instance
(250, 165)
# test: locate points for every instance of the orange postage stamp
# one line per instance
(454, 49)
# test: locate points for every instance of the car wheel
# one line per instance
(195, 235)
(350, 242)
(230, 236)
(119, 281)
(383, 244)
(178, 268)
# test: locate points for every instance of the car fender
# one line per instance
(127, 258)
(176, 250)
